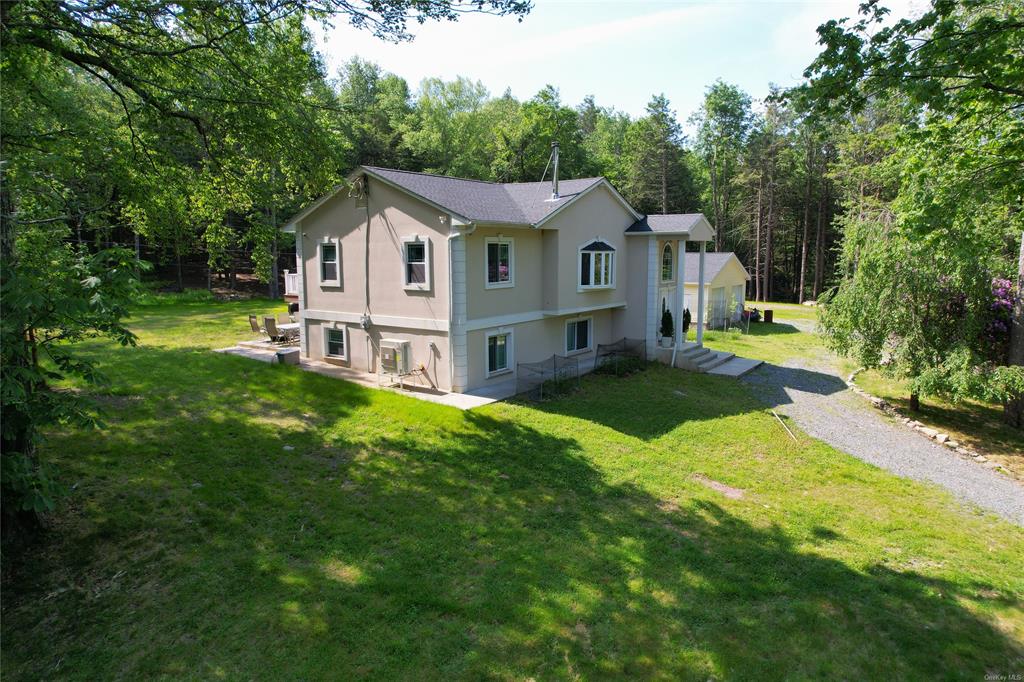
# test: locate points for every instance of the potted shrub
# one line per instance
(668, 328)
(686, 322)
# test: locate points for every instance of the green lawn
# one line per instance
(246, 521)
(775, 343)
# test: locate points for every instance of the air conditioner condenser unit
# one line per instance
(395, 357)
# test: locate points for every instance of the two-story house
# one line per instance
(478, 276)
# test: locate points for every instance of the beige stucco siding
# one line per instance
(598, 215)
(392, 216)
(526, 294)
(631, 321)
(430, 363)
(535, 341)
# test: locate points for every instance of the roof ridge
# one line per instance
(539, 182)
(432, 175)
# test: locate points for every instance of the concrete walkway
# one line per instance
(816, 398)
(462, 401)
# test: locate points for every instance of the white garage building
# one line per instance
(725, 286)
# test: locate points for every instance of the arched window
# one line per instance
(666, 263)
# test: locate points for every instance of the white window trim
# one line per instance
(672, 267)
(336, 282)
(500, 239)
(428, 269)
(510, 352)
(590, 335)
(579, 266)
(344, 330)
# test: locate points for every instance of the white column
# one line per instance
(652, 297)
(680, 287)
(700, 295)
(457, 338)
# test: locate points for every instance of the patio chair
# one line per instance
(256, 328)
(276, 335)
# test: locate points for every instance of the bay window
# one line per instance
(597, 266)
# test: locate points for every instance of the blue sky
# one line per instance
(621, 52)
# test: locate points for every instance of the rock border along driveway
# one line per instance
(817, 399)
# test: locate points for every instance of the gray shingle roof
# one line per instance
(714, 261)
(480, 201)
(676, 222)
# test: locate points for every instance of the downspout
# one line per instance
(365, 320)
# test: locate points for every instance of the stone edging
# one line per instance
(927, 432)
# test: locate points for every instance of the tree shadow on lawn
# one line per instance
(438, 544)
(404, 539)
(772, 384)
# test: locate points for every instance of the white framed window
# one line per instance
(579, 334)
(499, 355)
(666, 263)
(329, 254)
(416, 263)
(597, 265)
(335, 342)
(499, 262)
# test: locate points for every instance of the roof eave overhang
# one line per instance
(363, 170)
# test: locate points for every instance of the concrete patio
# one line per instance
(266, 352)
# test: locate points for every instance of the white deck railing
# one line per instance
(291, 283)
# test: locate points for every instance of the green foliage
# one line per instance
(52, 296)
(930, 172)
(668, 327)
(658, 179)
(723, 124)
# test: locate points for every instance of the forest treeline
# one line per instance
(759, 170)
(88, 155)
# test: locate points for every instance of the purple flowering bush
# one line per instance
(995, 335)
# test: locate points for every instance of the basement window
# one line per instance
(577, 335)
(499, 352)
(335, 343)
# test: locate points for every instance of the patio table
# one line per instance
(288, 326)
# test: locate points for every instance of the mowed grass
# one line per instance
(776, 343)
(245, 521)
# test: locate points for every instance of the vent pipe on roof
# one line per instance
(554, 176)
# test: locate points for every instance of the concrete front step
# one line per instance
(736, 367)
(694, 352)
(714, 360)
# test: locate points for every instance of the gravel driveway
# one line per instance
(814, 396)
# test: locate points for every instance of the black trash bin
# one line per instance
(768, 316)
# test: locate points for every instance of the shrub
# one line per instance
(668, 326)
